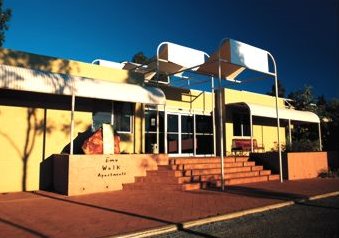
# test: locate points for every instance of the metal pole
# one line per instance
(289, 132)
(112, 123)
(158, 64)
(165, 130)
(277, 111)
(44, 135)
(251, 128)
(72, 123)
(221, 123)
(194, 136)
(157, 129)
(320, 142)
(213, 117)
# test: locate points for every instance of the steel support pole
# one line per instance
(320, 142)
(165, 130)
(251, 128)
(194, 136)
(290, 132)
(158, 130)
(213, 117)
(277, 112)
(72, 123)
(112, 123)
(221, 123)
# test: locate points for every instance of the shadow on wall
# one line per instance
(78, 142)
(46, 166)
(39, 63)
(35, 126)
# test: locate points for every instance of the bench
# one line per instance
(244, 145)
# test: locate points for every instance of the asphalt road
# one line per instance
(316, 219)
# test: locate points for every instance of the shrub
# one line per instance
(303, 145)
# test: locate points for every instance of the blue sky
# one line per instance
(302, 35)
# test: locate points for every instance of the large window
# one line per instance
(241, 125)
(151, 130)
(123, 117)
(118, 114)
(204, 134)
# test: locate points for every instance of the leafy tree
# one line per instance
(141, 58)
(303, 99)
(330, 125)
(5, 16)
(328, 112)
(281, 90)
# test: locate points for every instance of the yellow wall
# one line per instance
(63, 66)
(232, 96)
(21, 136)
(188, 100)
(264, 134)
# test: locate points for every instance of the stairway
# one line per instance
(191, 173)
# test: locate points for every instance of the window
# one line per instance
(100, 118)
(151, 130)
(123, 117)
(241, 125)
(118, 114)
(204, 134)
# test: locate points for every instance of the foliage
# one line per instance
(331, 173)
(303, 99)
(328, 112)
(281, 90)
(5, 16)
(141, 58)
(303, 144)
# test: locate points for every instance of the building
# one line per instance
(45, 101)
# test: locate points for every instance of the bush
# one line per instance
(331, 173)
(303, 145)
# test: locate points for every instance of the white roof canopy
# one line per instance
(17, 78)
(284, 113)
(235, 57)
(174, 58)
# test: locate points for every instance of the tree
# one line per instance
(304, 99)
(328, 112)
(5, 16)
(304, 136)
(141, 58)
(281, 90)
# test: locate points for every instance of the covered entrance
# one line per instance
(180, 134)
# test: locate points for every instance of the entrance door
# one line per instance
(180, 138)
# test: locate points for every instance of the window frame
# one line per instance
(113, 115)
(242, 125)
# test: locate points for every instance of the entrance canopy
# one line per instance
(284, 113)
(173, 58)
(17, 78)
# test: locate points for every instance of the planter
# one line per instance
(85, 174)
(297, 165)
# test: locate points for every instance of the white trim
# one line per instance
(284, 113)
(17, 78)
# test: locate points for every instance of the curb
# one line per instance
(203, 221)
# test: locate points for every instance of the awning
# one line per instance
(235, 57)
(17, 78)
(284, 113)
(174, 58)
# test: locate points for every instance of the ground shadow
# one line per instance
(33, 232)
(178, 225)
(260, 193)
(313, 204)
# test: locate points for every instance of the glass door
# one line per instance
(187, 136)
(180, 138)
(173, 133)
